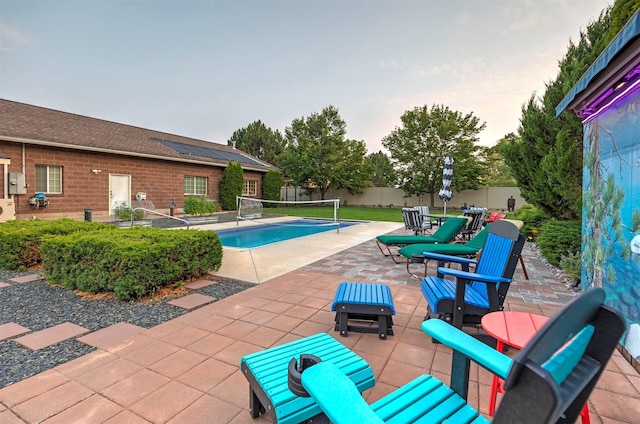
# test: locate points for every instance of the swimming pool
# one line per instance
(261, 235)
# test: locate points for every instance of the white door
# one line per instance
(119, 190)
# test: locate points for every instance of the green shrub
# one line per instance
(20, 240)
(559, 238)
(130, 263)
(199, 206)
(122, 212)
(271, 185)
(231, 185)
(533, 219)
(572, 264)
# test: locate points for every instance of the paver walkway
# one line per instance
(187, 369)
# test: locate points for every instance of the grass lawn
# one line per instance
(347, 212)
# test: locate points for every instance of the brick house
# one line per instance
(76, 162)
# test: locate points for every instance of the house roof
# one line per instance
(30, 124)
(618, 60)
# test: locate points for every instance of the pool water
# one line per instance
(261, 235)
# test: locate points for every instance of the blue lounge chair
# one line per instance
(549, 381)
(471, 295)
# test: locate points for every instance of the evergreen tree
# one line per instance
(271, 185)
(621, 12)
(231, 185)
(546, 157)
(258, 140)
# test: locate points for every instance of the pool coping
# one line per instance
(260, 264)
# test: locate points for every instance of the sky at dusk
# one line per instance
(205, 69)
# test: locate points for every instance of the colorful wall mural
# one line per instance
(607, 99)
(611, 211)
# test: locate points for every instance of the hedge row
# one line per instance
(20, 240)
(130, 263)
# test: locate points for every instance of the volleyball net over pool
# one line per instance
(291, 212)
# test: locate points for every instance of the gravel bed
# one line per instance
(37, 305)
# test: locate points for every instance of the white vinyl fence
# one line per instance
(492, 198)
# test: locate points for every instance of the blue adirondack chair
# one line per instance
(465, 300)
(549, 381)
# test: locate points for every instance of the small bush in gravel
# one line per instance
(200, 206)
(130, 263)
(559, 238)
(20, 240)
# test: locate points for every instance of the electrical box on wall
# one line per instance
(17, 184)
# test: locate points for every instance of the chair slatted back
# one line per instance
(552, 376)
(405, 218)
(425, 221)
(499, 256)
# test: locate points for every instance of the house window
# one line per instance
(250, 188)
(195, 185)
(48, 179)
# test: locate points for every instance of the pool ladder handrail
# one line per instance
(157, 213)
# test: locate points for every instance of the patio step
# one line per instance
(26, 279)
(192, 301)
(195, 285)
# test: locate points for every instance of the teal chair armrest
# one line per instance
(480, 353)
(336, 395)
(472, 276)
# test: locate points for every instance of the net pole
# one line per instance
(336, 214)
(238, 202)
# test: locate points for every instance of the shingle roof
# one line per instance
(37, 125)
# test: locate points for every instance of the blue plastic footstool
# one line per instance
(365, 302)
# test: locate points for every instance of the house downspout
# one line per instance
(5, 171)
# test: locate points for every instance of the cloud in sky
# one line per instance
(207, 68)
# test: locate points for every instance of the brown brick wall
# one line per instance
(81, 188)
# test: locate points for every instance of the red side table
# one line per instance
(514, 329)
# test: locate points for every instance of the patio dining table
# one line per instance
(438, 217)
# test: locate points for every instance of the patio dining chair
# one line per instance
(476, 223)
(549, 380)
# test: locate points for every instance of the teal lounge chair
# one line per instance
(549, 380)
(446, 233)
(419, 253)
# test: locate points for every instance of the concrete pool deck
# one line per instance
(260, 264)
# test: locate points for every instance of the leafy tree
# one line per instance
(383, 173)
(231, 185)
(498, 172)
(258, 140)
(546, 158)
(418, 148)
(271, 185)
(318, 157)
